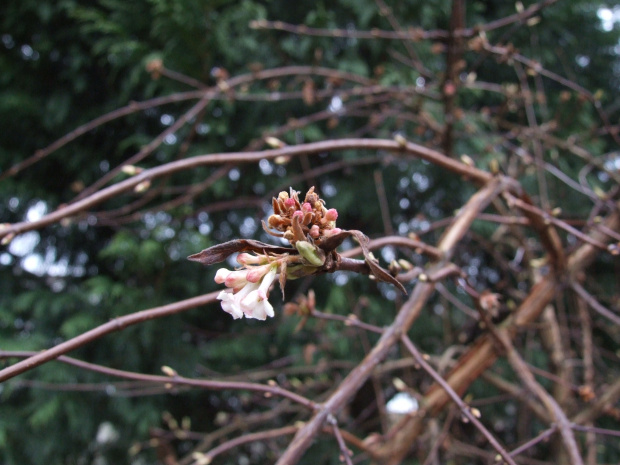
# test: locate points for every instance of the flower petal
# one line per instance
(230, 304)
(268, 279)
(236, 279)
(254, 306)
(221, 275)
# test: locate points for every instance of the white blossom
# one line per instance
(244, 297)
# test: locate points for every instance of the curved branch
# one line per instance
(96, 198)
(111, 326)
(172, 380)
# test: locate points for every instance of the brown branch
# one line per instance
(114, 325)
(593, 303)
(135, 107)
(411, 35)
(528, 104)
(96, 198)
(609, 397)
(524, 373)
(451, 81)
(148, 148)
(398, 241)
(386, 11)
(466, 410)
(132, 107)
(245, 439)
(176, 379)
(483, 354)
(408, 313)
(345, 455)
(588, 372)
(384, 207)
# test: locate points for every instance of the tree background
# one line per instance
(534, 98)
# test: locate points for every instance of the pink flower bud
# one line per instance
(298, 213)
(236, 279)
(306, 207)
(315, 231)
(331, 232)
(249, 259)
(256, 273)
(331, 214)
(289, 202)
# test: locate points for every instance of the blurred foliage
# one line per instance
(66, 62)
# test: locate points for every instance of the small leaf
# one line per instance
(219, 253)
(380, 273)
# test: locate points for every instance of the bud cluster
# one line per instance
(304, 225)
(297, 220)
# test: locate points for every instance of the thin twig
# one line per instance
(594, 303)
(98, 197)
(114, 325)
(174, 379)
(344, 450)
(466, 410)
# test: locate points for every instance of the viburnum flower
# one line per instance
(310, 228)
(247, 291)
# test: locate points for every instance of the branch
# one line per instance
(175, 379)
(96, 198)
(465, 409)
(526, 376)
(483, 353)
(114, 325)
(408, 313)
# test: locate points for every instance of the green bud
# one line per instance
(313, 255)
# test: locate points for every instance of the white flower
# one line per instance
(231, 302)
(221, 275)
(255, 304)
(256, 307)
(244, 297)
(229, 305)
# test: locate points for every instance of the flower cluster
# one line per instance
(313, 218)
(247, 289)
(304, 224)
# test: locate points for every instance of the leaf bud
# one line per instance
(131, 170)
(169, 371)
(274, 142)
(143, 186)
(312, 254)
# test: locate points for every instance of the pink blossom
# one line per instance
(249, 259)
(257, 272)
(331, 214)
(315, 231)
(331, 232)
(231, 302)
(236, 279)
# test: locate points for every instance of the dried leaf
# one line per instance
(282, 277)
(270, 232)
(219, 253)
(298, 232)
(333, 242)
(380, 273)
